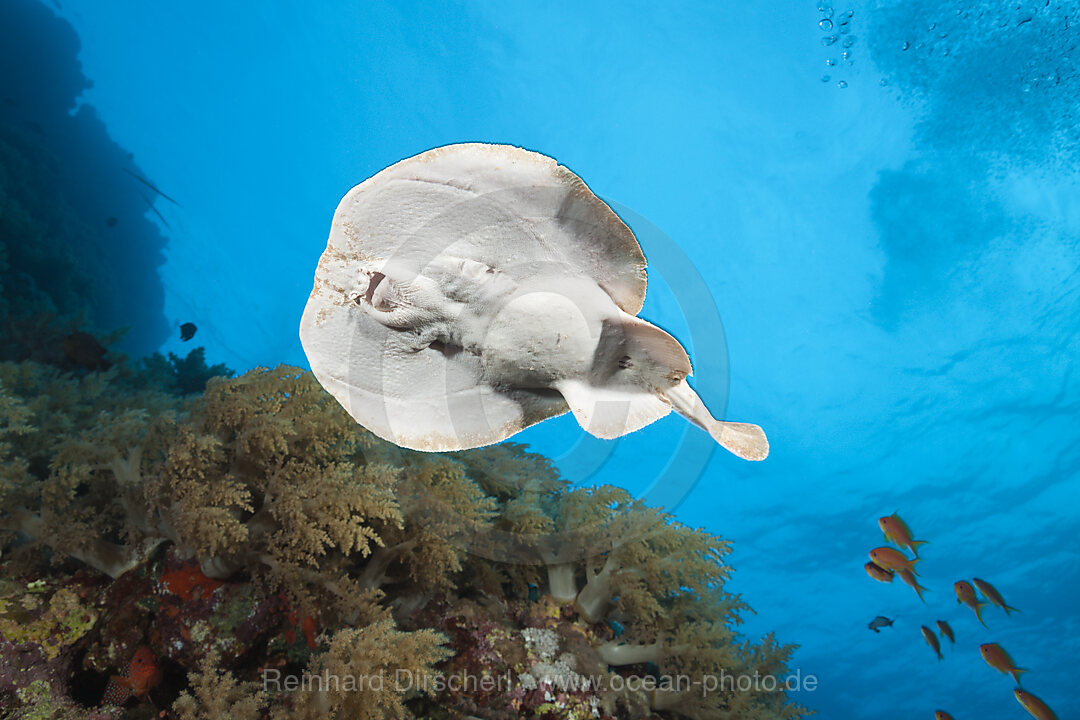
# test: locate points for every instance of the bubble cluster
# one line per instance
(998, 78)
(838, 27)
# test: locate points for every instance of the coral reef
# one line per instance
(180, 375)
(252, 552)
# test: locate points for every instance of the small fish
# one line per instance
(879, 622)
(993, 595)
(942, 715)
(140, 675)
(945, 630)
(966, 594)
(878, 573)
(112, 220)
(996, 657)
(932, 641)
(892, 559)
(909, 579)
(187, 331)
(1035, 707)
(898, 533)
(84, 350)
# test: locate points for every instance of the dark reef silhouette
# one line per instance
(75, 242)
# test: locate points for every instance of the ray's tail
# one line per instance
(742, 439)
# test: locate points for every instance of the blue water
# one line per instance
(894, 262)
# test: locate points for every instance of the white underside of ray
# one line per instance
(475, 290)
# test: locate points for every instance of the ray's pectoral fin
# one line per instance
(610, 412)
(618, 394)
(742, 439)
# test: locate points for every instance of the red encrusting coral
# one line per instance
(188, 582)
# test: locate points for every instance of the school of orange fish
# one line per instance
(888, 562)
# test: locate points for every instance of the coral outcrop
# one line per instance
(249, 551)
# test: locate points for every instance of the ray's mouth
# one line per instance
(373, 285)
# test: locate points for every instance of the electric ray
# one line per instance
(474, 290)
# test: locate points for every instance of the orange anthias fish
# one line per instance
(1036, 707)
(878, 573)
(139, 677)
(909, 579)
(892, 559)
(945, 630)
(932, 641)
(966, 594)
(898, 533)
(996, 657)
(993, 595)
(942, 715)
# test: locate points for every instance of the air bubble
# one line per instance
(825, 25)
(842, 84)
(830, 40)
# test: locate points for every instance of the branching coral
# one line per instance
(181, 375)
(367, 673)
(282, 515)
(215, 695)
(58, 485)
